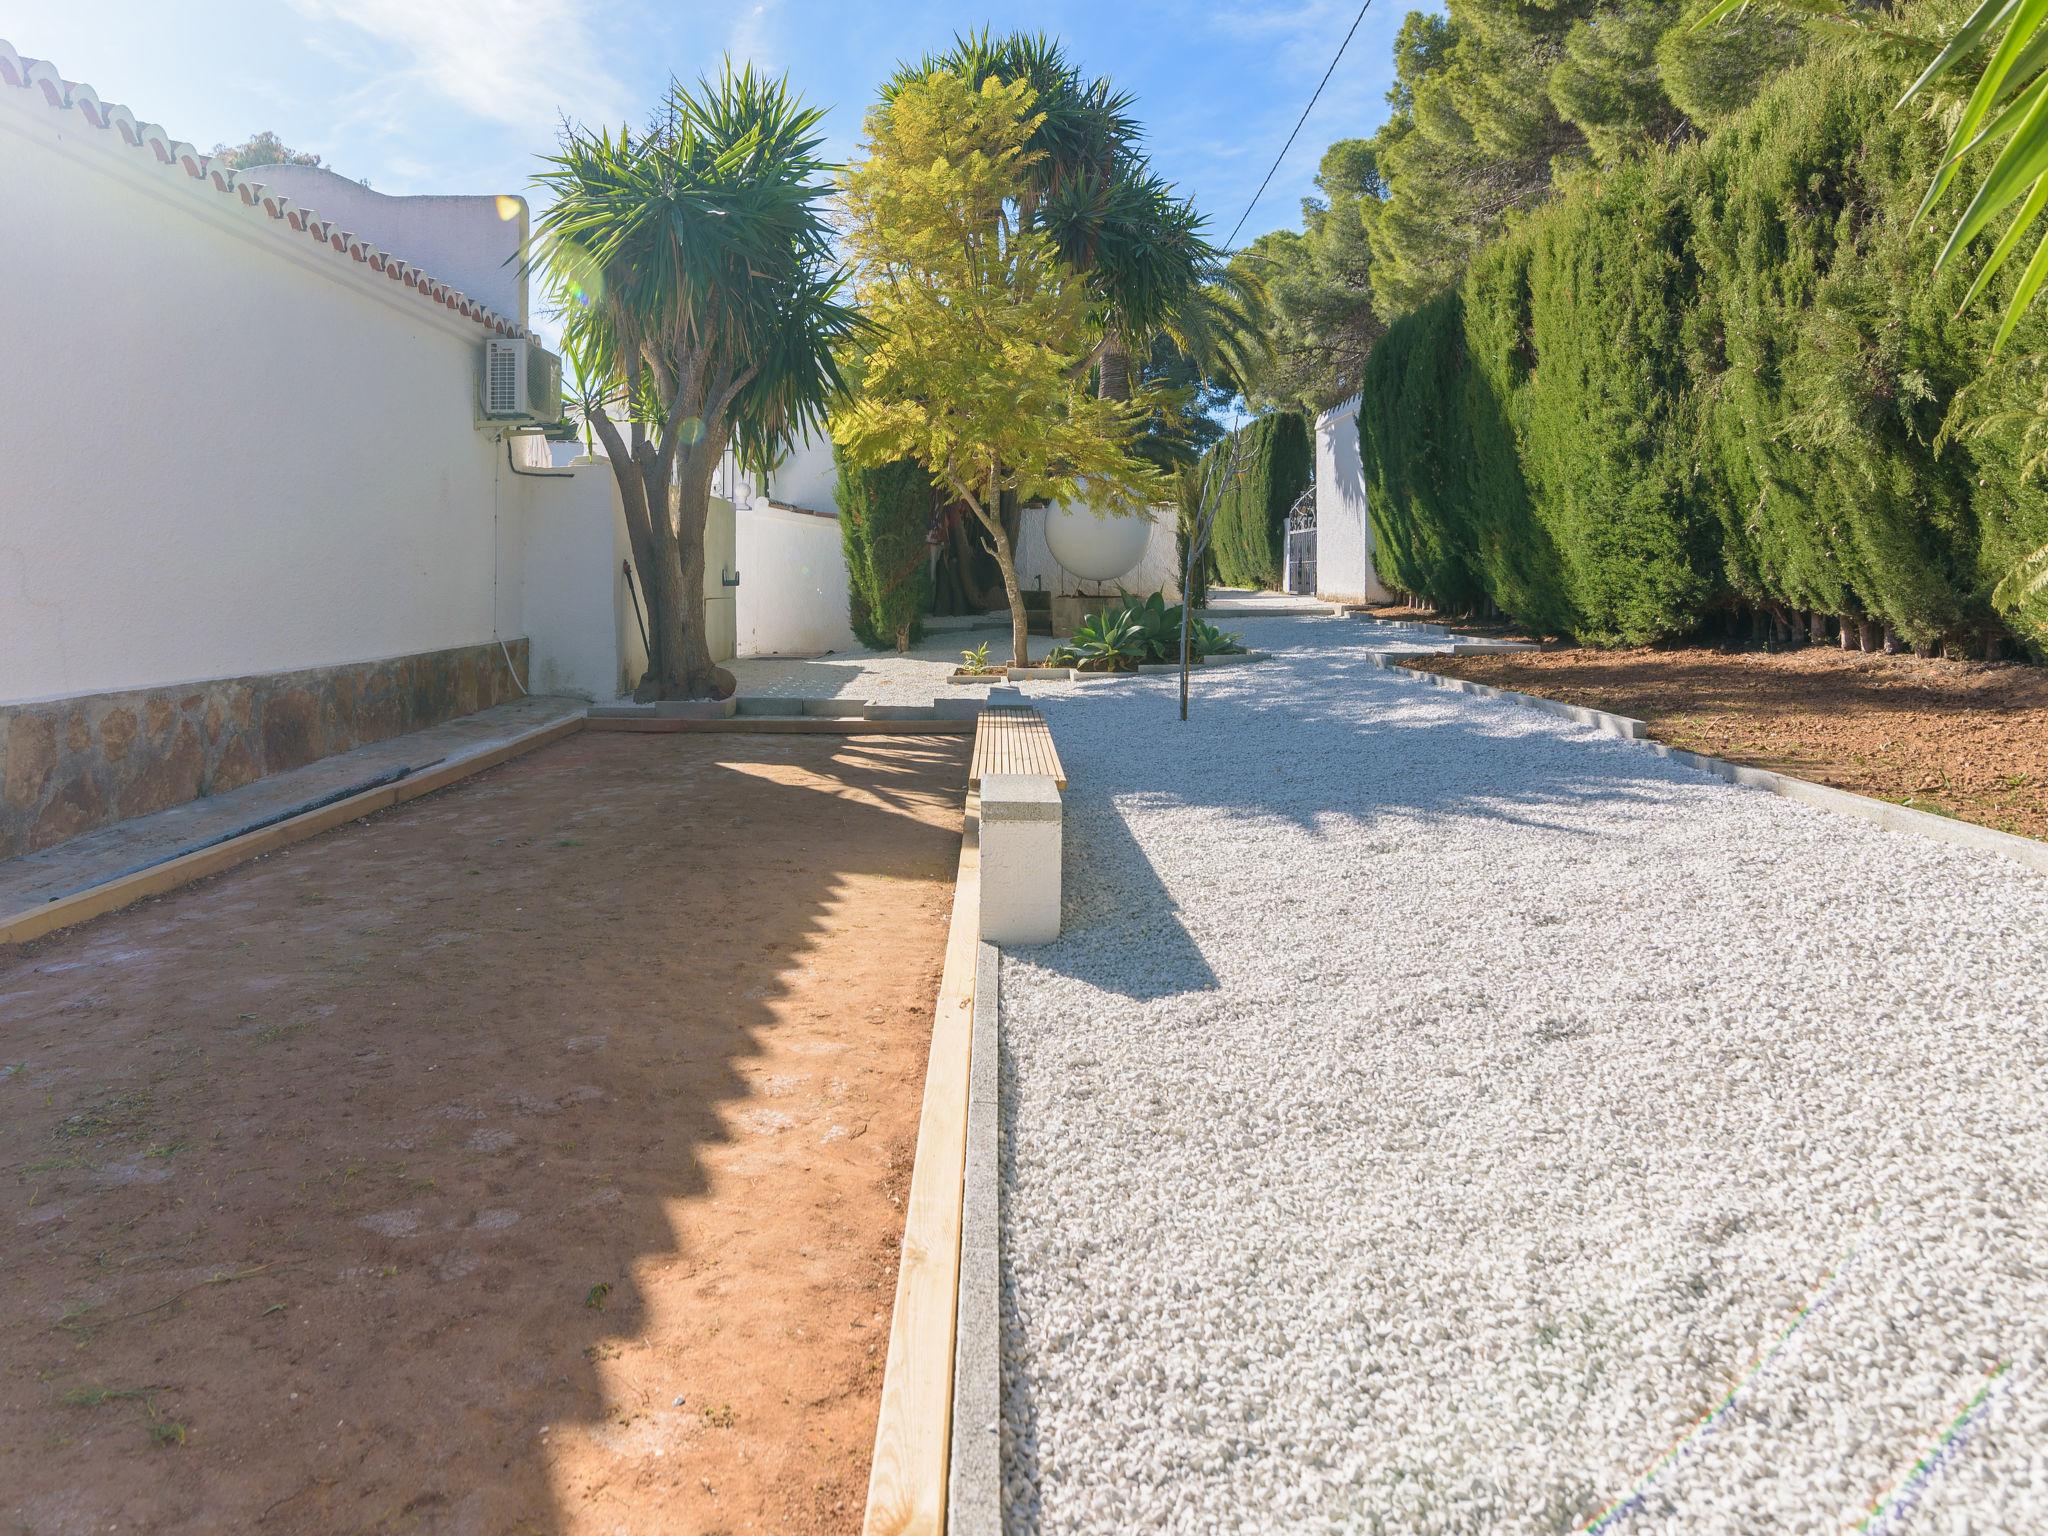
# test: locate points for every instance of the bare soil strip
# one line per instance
(528, 1158)
(1965, 739)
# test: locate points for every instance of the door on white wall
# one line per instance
(1300, 575)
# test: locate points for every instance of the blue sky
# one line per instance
(459, 95)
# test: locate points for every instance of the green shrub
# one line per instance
(1277, 461)
(1417, 436)
(1720, 378)
(884, 518)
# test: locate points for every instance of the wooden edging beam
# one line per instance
(907, 1479)
(125, 890)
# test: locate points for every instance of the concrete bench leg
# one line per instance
(1020, 858)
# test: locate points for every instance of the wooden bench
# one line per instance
(1014, 739)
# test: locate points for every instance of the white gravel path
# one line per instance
(1434, 1109)
(880, 677)
(919, 676)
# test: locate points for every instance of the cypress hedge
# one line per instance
(884, 522)
(1276, 463)
(1721, 383)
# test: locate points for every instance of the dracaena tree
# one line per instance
(693, 269)
(978, 325)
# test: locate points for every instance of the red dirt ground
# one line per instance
(1966, 739)
(526, 1159)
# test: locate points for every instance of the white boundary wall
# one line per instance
(792, 591)
(231, 450)
(1344, 568)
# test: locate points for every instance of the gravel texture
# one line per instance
(880, 677)
(919, 675)
(1435, 1110)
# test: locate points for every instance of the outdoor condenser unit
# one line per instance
(521, 383)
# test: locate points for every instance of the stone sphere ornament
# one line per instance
(1096, 546)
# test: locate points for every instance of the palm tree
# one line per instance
(693, 269)
(1154, 273)
(1115, 221)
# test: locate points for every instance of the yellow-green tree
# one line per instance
(977, 364)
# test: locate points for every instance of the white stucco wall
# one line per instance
(1344, 568)
(807, 477)
(792, 592)
(579, 615)
(230, 450)
(472, 242)
(1158, 571)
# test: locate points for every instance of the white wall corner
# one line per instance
(1344, 550)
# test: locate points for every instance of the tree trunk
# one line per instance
(692, 674)
(631, 475)
(1020, 621)
(981, 599)
(1113, 372)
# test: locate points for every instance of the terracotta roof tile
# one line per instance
(124, 135)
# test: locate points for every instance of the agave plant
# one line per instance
(1157, 623)
(1205, 639)
(1109, 642)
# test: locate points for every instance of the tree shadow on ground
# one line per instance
(1333, 745)
(523, 1159)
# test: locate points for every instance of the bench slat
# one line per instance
(1009, 739)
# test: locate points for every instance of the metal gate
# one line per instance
(1300, 577)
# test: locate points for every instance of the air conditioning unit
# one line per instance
(521, 383)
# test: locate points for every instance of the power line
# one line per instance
(1248, 207)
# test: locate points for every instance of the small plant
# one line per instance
(1110, 642)
(1205, 639)
(1062, 656)
(976, 660)
(1156, 626)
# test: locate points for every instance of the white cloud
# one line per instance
(755, 36)
(1300, 35)
(521, 63)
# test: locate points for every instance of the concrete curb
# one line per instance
(1843, 802)
(974, 1485)
(1460, 645)
(1599, 720)
(1402, 626)
(669, 709)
